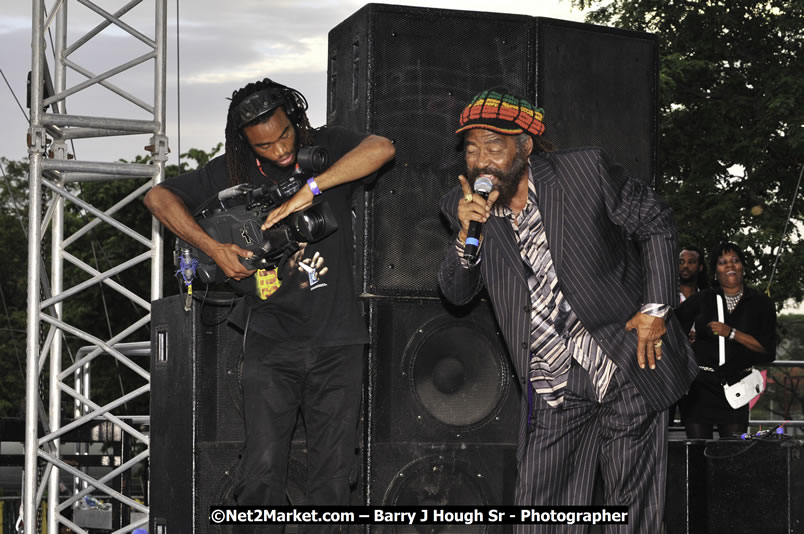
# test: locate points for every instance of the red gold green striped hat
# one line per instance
(503, 113)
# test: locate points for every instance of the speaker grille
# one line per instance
(736, 470)
(428, 65)
(196, 417)
(457, 373)
(216, 467)
(217, 462)
(422, 475)
(406, 73)
(598, 87)
(441, 374)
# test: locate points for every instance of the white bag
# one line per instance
(742, 392)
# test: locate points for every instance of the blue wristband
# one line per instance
(313, 186)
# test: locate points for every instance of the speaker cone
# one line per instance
(437, 480)
(221, 492)
(456, 371)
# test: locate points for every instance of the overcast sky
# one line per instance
(222, 46)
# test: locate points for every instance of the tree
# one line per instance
(788, 382)
(731, 123)
(13, 289)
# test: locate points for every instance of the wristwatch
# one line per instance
(732, 333)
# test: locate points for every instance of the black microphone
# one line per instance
(482, 187)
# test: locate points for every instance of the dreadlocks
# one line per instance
(239, 156)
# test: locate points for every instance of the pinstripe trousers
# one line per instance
(621, 434)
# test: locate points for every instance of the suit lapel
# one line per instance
(551, 206)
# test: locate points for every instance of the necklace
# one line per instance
(732, 300)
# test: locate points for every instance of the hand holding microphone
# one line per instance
(482, 188)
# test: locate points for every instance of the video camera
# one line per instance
(236, 214)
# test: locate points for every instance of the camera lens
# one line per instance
(313, 224)
(312, 158)
(310, 224)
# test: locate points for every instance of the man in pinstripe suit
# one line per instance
(580, 264)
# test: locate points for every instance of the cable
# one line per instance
(12, 333)
(55, 107)
(178, 87)
(784, 231)
(2, 293)
(14, 202)
(775, 433)
(741, 449)
(17, 100)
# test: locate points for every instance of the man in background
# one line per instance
(691, 272)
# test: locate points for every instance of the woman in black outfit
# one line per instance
(750, 330)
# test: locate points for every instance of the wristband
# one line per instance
(313, 186)
(732, 333)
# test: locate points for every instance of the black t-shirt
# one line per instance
(313, 307)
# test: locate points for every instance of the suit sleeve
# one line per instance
(458, 283)
(648, 221)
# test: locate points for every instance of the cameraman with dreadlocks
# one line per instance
(304, 332)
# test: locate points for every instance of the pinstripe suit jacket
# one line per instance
(613, 247)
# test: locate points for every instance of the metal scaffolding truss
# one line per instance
(57, 370)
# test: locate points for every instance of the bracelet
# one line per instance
(732, 333)
(313, 186)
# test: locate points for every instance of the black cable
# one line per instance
(178, 87)
(784, 230)
(742, 449)
(216, 302)
(27, 119)
(12, 333)
(53, 51)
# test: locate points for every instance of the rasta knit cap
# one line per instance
(501, 112)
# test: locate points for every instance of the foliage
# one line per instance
(732, 121)
(783, 398)
(790, 380)
(13, 289)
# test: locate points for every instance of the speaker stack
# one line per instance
(443, 407)
(726, 486)
(406, 73)
(442, 404)
(197, 427)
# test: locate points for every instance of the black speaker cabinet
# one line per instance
(195, 399)
(685, 501)
(197, 426)
(727, 486)
(755, 486)
(440, 374)
(195, 369)
(421, 474)
(406, 73)
(443, 407)
(216, 463)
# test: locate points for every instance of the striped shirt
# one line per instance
(557, 334)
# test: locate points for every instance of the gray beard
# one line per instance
(507, 182)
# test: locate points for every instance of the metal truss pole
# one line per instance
(57, 349)
(36, 149)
